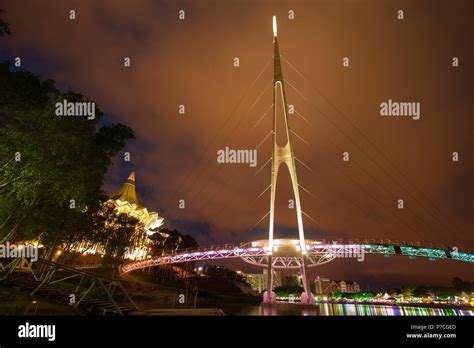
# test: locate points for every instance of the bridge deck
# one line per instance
(318, 252)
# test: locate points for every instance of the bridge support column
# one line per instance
(307, 296)
(269, 296)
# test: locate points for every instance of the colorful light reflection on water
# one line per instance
(347, 309)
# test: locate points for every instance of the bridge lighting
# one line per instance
(259, 255)
(274, 26)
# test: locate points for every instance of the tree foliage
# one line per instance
(166, 241)
(4, 26)
(462, 285)
(224, 273)
(117, 233)
(51, 168)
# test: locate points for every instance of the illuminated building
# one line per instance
(258, 281)
(125, 201)
(344, 286)
(322, 285)
(293, 280)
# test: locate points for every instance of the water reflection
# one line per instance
(347, 309)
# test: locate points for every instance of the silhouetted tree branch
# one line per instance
(4, 26)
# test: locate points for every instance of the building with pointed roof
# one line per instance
(126, 201)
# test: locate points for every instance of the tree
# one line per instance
(4, 26)
(167, 241)
(157, 242)
(289, 289)
(51, 168)
(408, 291)
(337, 295)
(188, 241)
(223, 273)
(117, 233)
(461, 285)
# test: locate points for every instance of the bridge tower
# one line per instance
(283, 154)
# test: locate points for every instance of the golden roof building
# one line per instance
(126, 201)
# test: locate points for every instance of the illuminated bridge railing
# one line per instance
(413, 252)
(318, 252)
(189, 255)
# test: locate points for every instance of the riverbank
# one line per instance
(193, 292)
(15, 301)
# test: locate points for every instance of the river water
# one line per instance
(346, 309)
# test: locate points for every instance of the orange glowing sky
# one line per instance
(190, 62)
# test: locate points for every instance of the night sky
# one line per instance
(191, 62)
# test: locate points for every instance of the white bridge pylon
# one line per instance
(296, 253)
(283, 154)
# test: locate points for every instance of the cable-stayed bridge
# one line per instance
(301, 253)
